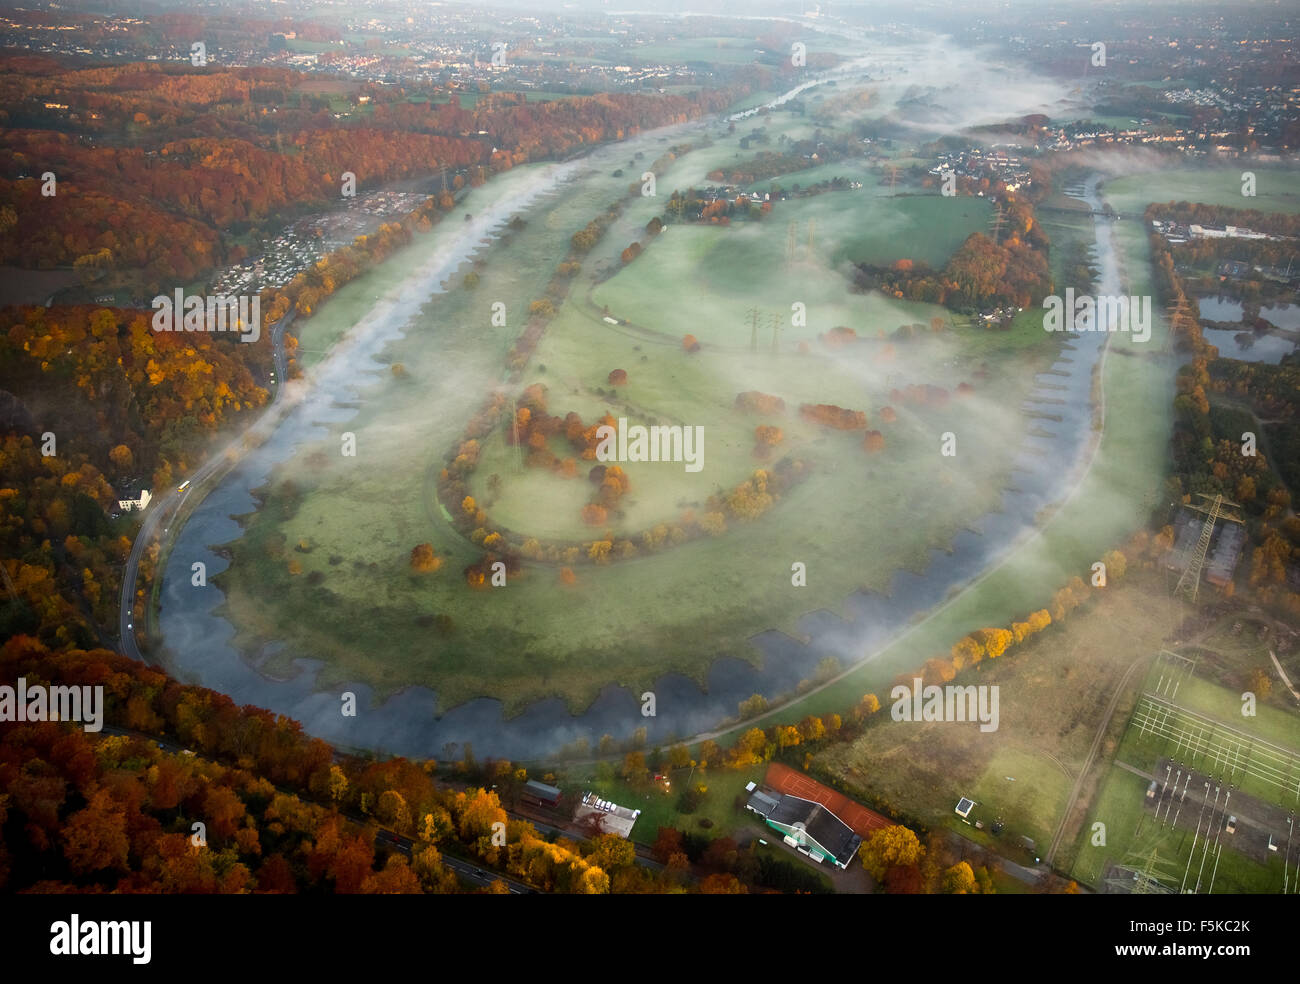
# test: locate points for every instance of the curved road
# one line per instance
(164, 508)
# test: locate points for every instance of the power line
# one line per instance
(1190, 582)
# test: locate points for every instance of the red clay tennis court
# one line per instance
(784, 779)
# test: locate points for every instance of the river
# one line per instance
(198, 641)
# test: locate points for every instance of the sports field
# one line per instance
(857, 817)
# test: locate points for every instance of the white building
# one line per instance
(130, 505)
(609, 818)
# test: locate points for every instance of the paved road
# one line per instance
(467, 870)
(165, 507)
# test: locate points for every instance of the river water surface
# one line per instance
(198, 641)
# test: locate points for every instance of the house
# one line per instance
(133, 502)
(808, 827)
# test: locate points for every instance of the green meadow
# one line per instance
(324, 565)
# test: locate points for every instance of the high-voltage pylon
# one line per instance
(1189, 583)
(1141, 874)
(1146, 882)
(996, 221)
(1176, 312)
(514, 425)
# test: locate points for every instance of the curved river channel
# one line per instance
(198, 641)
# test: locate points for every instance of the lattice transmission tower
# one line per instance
(1189, 583)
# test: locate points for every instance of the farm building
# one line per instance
(808, 827)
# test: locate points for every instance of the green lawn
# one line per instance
(1124, 484)
(301, 46)
(1119, 807)
(1143, 747)
(676, 610)
(1134, 839)
(1281, 727)
(1053, 691)
(718, 51)
(660, 809)
(1277, 189)
(1030, 802)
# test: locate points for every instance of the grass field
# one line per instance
(1270, 723)
(1125, 482)
(724, 579)
(719, 51)
(674, 611)
(302, 46)
(701, 279)
(1041, 742)
(722, 50)
(1203, 725)
(318, 334)
(1134, 839)
(1277, 189)
(659, 808)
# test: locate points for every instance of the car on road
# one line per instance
(183, 486)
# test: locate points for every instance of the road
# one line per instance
(164, 508)
(465, 869)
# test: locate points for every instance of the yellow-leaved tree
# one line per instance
(890, 847)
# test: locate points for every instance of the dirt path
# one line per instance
(1282, 673)
(1092, 755)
